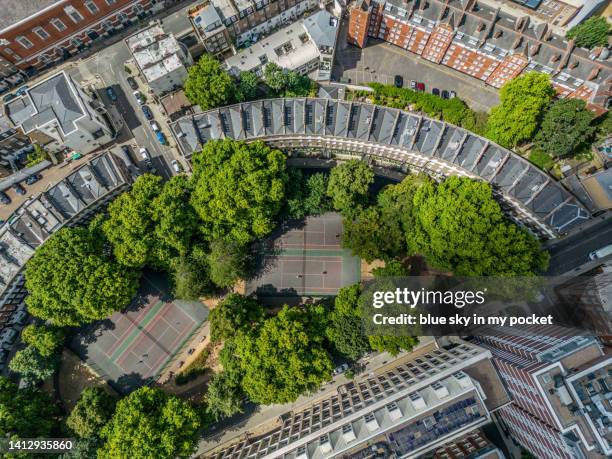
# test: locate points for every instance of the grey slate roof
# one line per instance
(511, 175)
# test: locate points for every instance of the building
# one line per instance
(161, 59)
(474, 445)
(305, 46)
(223, 24)
(37, 34)
(58, 109)
(72, 201)
(561, 386)
(10, 75)
(393, 139)
(485, 43)
(14, 147)
(442, 393)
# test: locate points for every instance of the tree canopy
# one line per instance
(235, 313)
(71, 280)
(150, 423)
(47, 340)
(591, 33)
(227, 261)
(31, 366)
(223, 397)
(566, 125)
(190, 274)
(392, 344)
(349, 184)
(247, 86)
(208, 84)
(239, 188)
(287, 83)
(26, 413)
(92, 411)
(523, 101)
(306, 194)
(285, 357)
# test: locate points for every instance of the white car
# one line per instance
(144, 154)
(341, 369)
(139, 97)
(176, 166)
(155, 126)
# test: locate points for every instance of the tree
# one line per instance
(297, 85)
(31, 366)
(393, 268)
(523, 101)
(371, 237)
(71, 280)
(46, 339)
(286, 356)
(275, 77)
(346, 303)
(227, 262)
(591, 33)
(460, 227)
(93, 410)
(150, 423)
(566, 125)
(239, 188)
(190, 274)
(235, 313)
(208, 84)
(26, 413)
(347, 334)
(223, 399)
(130, 227)
(306, 194)
(396, 202)
(348, 186)
(392, 344)
(247, 86)
(175, 219)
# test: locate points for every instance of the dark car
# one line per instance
(32, 179)
(398, 81)
(4, 199)
(112, 95)
(132, 82)
(147, 112)
(435, 91)
(421, 87)
(445, 94)
(126, 150)
(19, 189)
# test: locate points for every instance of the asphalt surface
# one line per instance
(572, 252)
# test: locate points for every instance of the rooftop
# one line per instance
(14, 11)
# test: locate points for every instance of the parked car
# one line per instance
(176, 166)
(132, 82)
(341, 369)
(147, 112)
(398, 81)
(445, 94)
(31, 179)
(139, 97)
(8, 97)
(3, 358)
(126, 150)
(435, 91)
(21, 91)
(453, 94)
(8, 337)
(154, 126)
(161, 137)
(19, 189)
(144, 153)
(413, 85)
(19, 317)
(601, 253)
(4, 199)
(112, 95)
(420, 86)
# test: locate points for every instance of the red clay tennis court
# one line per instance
(306, 260)
(132, 347)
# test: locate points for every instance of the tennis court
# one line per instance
(306, 260)
(132, 347)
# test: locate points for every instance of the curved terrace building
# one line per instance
(391, 138)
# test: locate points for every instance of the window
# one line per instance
(111, 2)
(23, 41)
(76, 42)
(42, 33)
(108, 26)
(58, 24)
(9, 51)
(138, 9)
(73, 13)
(91, 6)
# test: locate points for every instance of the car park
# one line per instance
(19, 189)
(435, 91)
(112, 95)
(147, 112)
(176, 166)
(139, 97)
(154, 126)
(398, 81)
(445, 94)
(4, 199)
(132, 82)
(31, 179)
(144, 153)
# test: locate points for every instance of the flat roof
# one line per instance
(155, 51)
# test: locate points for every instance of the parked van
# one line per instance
(601, 253)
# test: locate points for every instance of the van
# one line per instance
(601, 253)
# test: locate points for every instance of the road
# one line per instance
(572, 252)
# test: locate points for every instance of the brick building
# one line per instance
(40, 33)
(561, 387)
(485, 43)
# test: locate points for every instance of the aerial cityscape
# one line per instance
(306, 229)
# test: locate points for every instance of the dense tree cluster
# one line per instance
(591, 33)
(306, 194)
(208, 84)
(349, 185)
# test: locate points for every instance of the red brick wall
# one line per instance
(359, 23)
(25, 58)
